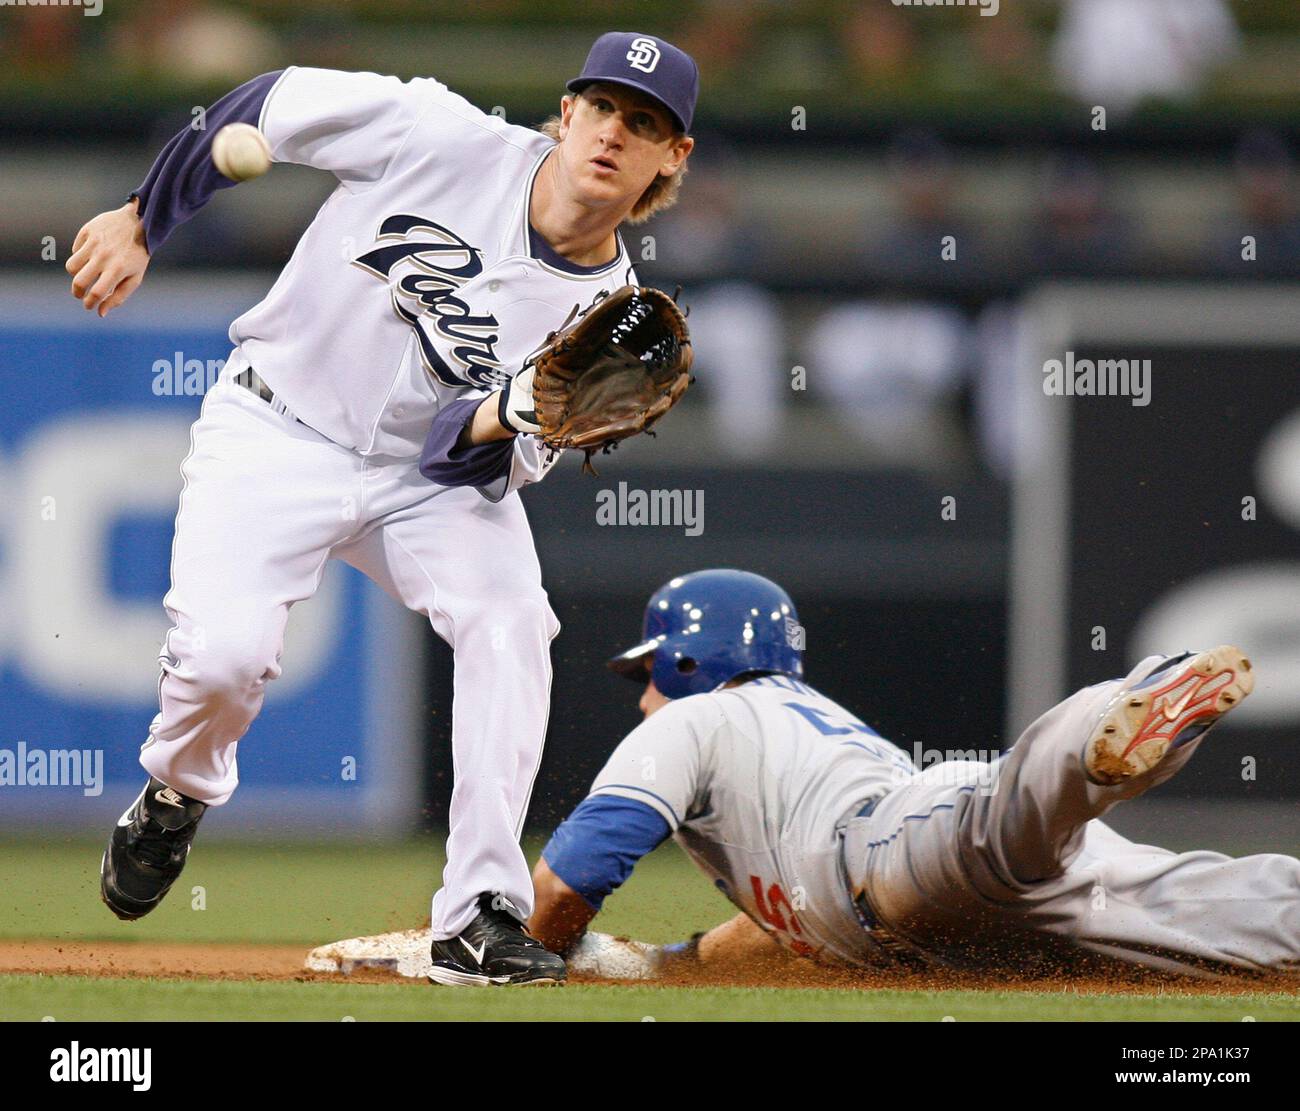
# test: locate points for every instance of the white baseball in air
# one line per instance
(241, 152)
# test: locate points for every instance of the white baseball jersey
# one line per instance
(417, 284)
(756, 783)
(414, 284)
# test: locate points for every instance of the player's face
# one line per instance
(652, 699)
(616, 141)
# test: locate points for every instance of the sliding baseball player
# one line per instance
(835, 847)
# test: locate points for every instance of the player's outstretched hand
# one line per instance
(108, 259)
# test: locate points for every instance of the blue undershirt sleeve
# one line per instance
(442, 462)
(184, 178)
(597, 846)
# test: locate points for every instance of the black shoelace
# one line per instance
(508, 928)
(156, 845)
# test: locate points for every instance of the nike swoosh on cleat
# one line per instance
(477, 954)
(1172, 714)
(127, 818)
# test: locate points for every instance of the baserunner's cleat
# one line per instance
(1174, 704)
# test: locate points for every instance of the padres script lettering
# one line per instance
(425, 264)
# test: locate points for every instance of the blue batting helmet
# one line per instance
(704, 629)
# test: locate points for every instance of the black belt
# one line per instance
(866, 915)
(251, 380)
(889, 944)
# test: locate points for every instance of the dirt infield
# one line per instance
(177, 961)
(221, 961)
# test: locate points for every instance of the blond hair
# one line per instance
(659, 194)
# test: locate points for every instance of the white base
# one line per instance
(406, 953)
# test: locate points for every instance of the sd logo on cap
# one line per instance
(652, 65)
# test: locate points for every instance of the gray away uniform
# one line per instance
(833, 841)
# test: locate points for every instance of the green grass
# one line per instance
(31, 998)
(309, 894)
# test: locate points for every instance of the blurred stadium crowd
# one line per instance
(1119, 50)
(864, 259)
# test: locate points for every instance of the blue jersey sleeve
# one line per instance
(597, 846)
(442, 462)
(184, 177)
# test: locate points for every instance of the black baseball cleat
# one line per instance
(494, 949)
(148, 849)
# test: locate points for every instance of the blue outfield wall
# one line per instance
(93, 428)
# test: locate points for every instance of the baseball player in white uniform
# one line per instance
(373, 410)
(835, 846)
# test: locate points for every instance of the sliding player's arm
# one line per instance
(562, 915)
(739, 941)
(653, 781)
(591, 855)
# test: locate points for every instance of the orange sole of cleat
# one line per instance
(1141, 724)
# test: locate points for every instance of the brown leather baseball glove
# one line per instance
(607, 374)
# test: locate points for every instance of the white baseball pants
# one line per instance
(266, 501)
(1006, 865)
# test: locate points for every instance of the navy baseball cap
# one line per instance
(647, 63)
